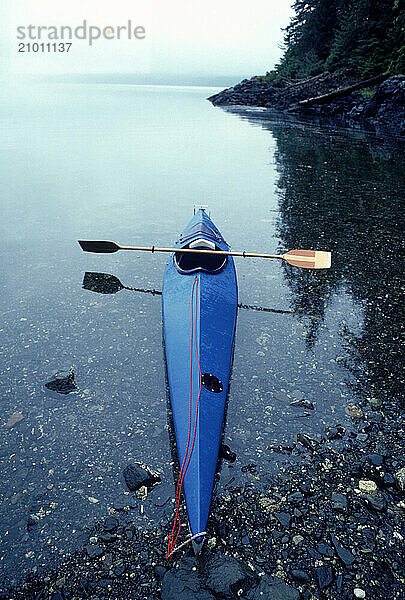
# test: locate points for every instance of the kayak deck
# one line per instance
(199, 317)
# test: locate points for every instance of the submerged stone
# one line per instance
(62, 382)
(136, 476)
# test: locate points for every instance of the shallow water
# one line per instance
(127, 163)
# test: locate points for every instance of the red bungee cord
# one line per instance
(171, 547)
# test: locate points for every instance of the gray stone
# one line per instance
(325, 549)
(300, 576)
(339, 502)
(399, 477)
(323, 576)
(375, 501)
(110, 524)
(93, 550)
(343, 553)
(284, 519)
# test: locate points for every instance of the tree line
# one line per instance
(364, 37)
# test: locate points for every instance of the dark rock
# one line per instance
(136, 476)
(223, 575)
(104, 582)
(62, 382)
(57, 596)
(300, 576)
(32, 522)
(399, 477)
(323, 576)
(277, 535)
(375, 501)
(284, 519)
(339, 502)
(227, 454)
(295, 497)
(160, 572)
(107, 537)
(335, 433)
(305, 488)
(325, 549)
(111, 524)
(307, 442)
(272, 588)
(339, 583)
(183, 584)
(343, 553)
(388, 480)
(93, 550)
(374, 459)
(303, 404)
(130, 532)
(314, 554)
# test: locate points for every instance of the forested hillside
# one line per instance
(364, 36)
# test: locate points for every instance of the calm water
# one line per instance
(127, 164)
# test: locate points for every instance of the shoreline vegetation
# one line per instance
(342, 58)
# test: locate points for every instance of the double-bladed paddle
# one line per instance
(306, 259)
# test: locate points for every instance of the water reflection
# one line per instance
(345, 194)
(104, 283)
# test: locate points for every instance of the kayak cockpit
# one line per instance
(186, 262)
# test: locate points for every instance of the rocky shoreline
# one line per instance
(329, 526)
(382, 105)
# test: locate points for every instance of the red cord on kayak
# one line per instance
(171, 547)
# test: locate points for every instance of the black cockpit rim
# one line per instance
(186, 262)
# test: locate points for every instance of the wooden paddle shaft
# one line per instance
(197, 251)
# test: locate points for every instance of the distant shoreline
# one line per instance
(326, 95)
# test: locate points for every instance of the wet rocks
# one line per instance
(375, 501)
(368, 487)
(110, 524)
(339, 502)
(227, 454)
(272, 588)
(374, 459)
(385, 108)
(323, 576)
(224, 575)
(399, 477)
(300, 576)
(303, 403)
(137, 476)
(284, 519)
(93, 550)
(182, 584)
(15, 418)
(62, 382)
(32, 522)
(325, 549)
(343, 553)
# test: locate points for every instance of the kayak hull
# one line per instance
(199, 318)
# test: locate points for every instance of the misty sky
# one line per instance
(208, 37)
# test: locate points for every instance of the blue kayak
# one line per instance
(200, 297)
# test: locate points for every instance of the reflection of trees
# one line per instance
(337, 193)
